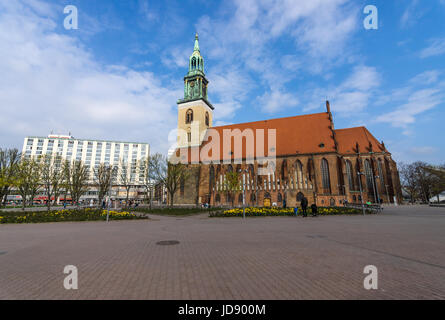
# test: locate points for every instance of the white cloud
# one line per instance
(425, 150)
(245, 40)
(353, 94)
(176, 57)
(411, 14)
(277, 100)
(228, 88)
(49, 81)
(436, 48)
(426, 77)
(418, 102)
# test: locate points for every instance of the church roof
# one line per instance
(348, 138)
(303, 134)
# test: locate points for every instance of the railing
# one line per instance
(371, 207)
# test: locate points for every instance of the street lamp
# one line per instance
(376, 189)
(387, 193)
(361, 192)
(112, 169)
(244, 196)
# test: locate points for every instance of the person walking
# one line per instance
(304, 204)
(314, 209)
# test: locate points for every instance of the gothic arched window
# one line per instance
(325, 178)
(193, 63)
(369, 175)
(350, 175)
(381, 175)
(211, 177)
(182, 186)
(299, 174)
(189, 116)
(284, 170)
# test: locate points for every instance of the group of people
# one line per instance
(304, 204)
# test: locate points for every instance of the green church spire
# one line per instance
(195, 81)
(196, 48)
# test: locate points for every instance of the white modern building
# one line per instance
(92, 153)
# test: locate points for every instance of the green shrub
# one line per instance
(64, 215)
(275, 211)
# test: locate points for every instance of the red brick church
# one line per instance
(313, 159)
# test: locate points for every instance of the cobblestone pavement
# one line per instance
(229, 258)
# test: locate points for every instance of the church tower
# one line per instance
(195, 112)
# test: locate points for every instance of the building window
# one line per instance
(211, 177)
(207, 119)
(240, 198)
(182, 186)
(381, 175)
(189, 136)
(299, 174)
(189, 116)
(279, 197)
(349, 174)
(217, 198)
(326, 182)
(369, 175)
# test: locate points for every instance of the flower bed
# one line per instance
(64, 215)
(270, 212)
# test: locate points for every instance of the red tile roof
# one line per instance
(294, 135)
(304, 134)
(349, 137)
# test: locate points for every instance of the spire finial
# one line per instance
(196, 48)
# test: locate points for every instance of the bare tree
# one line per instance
(125, 179)
(77, 175)
(28, 179)
(438, 179)
(168, 174)
(52, 177)
(9, 159)
(408, 180)
(103, 178)
(148, 178)
(424, 179)
(233, 184)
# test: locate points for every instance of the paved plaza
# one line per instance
(229, 258)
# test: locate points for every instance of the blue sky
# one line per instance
(119, 75)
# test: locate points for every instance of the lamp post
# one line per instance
(373, 188)
(111, 186)
(387, 193)
(361, 192)
(376, 189)
(244, 196)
